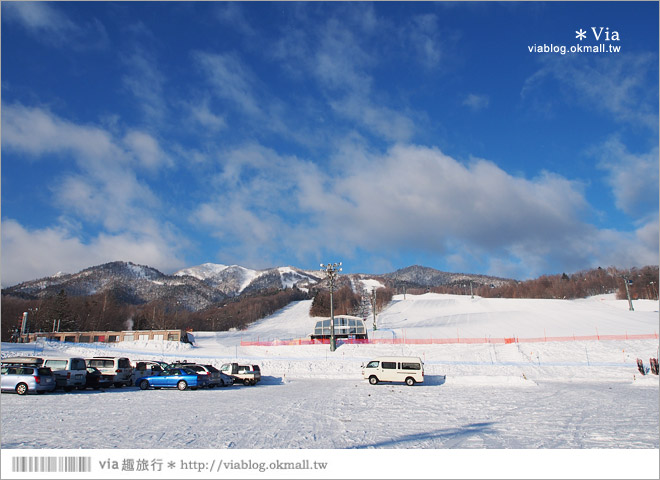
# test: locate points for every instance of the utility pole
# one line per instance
(332, 270)
(373, 305)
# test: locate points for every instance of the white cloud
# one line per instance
(36, 131)
(633, 178)
(424, 36)
(98, 185)
(145, 81)
(231, 80)
(204, 117)
(476, 102)
(46, 22)
(412, 199)
(614, 84)
(105, 187)
(232, 15)
(28, 254)
(146, 150)
(39, 16)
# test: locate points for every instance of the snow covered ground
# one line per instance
(568, 396)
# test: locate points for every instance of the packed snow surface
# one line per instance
(524, 395)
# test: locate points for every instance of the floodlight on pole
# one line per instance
(332, 270)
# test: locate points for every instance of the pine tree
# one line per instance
(62, 314)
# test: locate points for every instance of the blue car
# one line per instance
(180, 378)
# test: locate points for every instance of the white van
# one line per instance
(145, 368)
(69, 372)
(394, 369)
(119, 367)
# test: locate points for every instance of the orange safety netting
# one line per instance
(444, 341)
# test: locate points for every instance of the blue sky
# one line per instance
(377, 134)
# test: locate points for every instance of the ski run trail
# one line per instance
(526, 409)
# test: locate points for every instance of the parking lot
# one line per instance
(339, 413)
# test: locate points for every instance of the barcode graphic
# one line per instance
(51, 464)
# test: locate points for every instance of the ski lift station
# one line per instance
(346, 326)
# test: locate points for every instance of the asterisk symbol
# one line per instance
(171, 464)
(581, 34)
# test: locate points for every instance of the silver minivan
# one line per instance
(70, 372)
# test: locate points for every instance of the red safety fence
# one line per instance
(445, 341)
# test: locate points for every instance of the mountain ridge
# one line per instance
(202, 285)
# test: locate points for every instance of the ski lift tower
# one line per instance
(332, 270)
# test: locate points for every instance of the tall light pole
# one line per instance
(332, 270)
(373, 305)
(625, 282)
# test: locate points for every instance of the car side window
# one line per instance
(411, 366)
(389, 365)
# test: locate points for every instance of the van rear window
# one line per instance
(98, 363)
(124, 363)
(78, 364)
(56, 364)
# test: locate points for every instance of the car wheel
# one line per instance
(246, 382)
(21, 389)
(144, 384)
(410, 381)
(182, 385)
(373, 380)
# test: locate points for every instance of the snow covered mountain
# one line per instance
(418, 276)
(127, 281)
(200, 286)
(234, 280)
